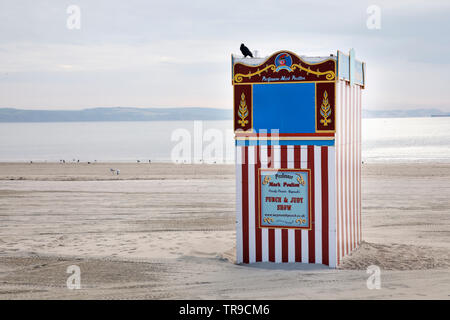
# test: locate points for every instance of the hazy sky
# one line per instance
(177, 53)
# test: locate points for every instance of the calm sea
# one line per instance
(384, 140)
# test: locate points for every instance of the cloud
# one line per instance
(177, 53)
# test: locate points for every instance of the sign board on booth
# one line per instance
(284, 198)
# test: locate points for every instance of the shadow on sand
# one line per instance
(286, 266)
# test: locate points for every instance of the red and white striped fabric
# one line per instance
(282, 245)
(336, 193)
(348, 167)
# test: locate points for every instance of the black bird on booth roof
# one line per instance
(245, 51)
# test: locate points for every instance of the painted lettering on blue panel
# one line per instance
(290, 108)
(284, 198)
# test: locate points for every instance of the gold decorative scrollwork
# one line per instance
(268, 220)
(329, 74)
(239, 76)
(300, 179)
(325, 110)
(243, 111)
(266, 180)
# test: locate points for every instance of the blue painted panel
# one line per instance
(350, 69)
(352, 66)
(287, 107)
(359, 72)
(343, 66)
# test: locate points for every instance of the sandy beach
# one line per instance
(165, 231)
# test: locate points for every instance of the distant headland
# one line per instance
(411, 113)
(114, 114)
(168, 114)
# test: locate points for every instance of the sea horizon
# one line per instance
(416, 139)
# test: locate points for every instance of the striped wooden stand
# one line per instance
(332, 153)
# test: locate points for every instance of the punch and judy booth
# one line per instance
(297, 124)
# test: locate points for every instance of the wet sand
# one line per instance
(162, 231)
